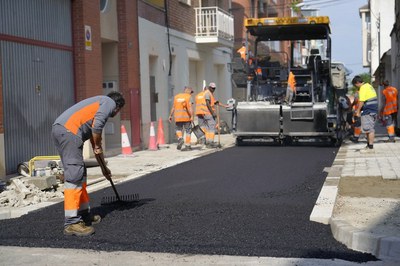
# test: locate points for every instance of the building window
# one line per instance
(103, 5)
(187, 2)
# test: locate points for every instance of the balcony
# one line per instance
(214, 26)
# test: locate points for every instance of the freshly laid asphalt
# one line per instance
(246, 201)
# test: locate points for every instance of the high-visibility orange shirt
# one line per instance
(242, 52)
(87, 116)
(390, 94)
(259, 71)
(292, 81)
(182, 107)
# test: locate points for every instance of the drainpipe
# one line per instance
(170, 85)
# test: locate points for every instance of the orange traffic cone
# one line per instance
(126, 146)
(160, 133)
(152, 140)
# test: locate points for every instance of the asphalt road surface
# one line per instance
(248, 201)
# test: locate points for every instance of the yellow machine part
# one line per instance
(280, 21)
(31, 163)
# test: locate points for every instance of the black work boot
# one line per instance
(390, 140)
(212, 145)
(186, 148)
(180, 143)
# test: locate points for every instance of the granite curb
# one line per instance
(381, 246)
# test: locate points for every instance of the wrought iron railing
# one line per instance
(214, 22)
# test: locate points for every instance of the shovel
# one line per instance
(219, 127)
(197, 131)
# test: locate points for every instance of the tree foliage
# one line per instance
(294, 7)
(366, 77)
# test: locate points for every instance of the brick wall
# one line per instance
(240, 10)
(128, 51)
(151, 13)
(182, 17)
(87, 64)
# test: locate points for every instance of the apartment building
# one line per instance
(182, 43)
(395, 48)
(377, 19)
(242, 9)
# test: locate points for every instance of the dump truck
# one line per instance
(276, 47)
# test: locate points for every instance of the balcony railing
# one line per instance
(214, 25)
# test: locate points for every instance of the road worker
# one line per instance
(356, 120)
(242, 52)
(206, 114)
(83, 121)
(389, 109)
(183, 115)
(367, 110)
(291, 87)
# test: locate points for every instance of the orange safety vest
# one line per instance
(390, 94)
(292, 81)
(259, 71)
(242, 52)
(201, 105)
(182, 107)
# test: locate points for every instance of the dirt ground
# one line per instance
(371, 204)
(374, 187)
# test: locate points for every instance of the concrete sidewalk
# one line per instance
(360, 198)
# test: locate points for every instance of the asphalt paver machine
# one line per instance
(275, 47)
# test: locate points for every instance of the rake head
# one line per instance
(121, 199)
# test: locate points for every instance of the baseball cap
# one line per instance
(212, 85)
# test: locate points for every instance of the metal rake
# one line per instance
(117, 198)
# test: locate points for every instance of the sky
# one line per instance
(345, 23)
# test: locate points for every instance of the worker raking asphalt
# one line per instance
(250, 201)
